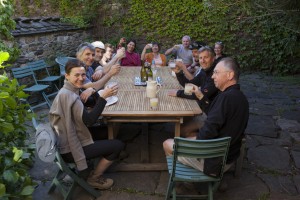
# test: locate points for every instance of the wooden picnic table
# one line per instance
(134, 106)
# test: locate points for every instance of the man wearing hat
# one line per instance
(99, 52)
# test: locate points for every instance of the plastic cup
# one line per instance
(154, 103)
(112, 84)
(188, 89)
(172, 64)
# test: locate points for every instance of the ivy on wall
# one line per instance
(256, 39)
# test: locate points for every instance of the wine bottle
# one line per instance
(144, 77)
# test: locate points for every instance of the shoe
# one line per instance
(100, 182)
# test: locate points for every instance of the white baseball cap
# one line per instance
(98, 44)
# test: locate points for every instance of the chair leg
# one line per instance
(55, 181)
(46, 99)
(169, 189)
(210, 191)
(70, 192)
(77, 181)
(174, 192)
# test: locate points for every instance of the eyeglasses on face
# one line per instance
(215, 72)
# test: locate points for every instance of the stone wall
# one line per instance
(47, 38)
(49, 46)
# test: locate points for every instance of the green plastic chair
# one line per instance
(69, 169)
(26, 72)
(42, 75)
(61, 61)
(204, 149)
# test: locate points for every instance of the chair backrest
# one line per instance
(202, 149)
(40, 66)
(62, 62)
(22, 72)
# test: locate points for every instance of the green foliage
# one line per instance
(258, 40)
(77, 12)
(6, 25)
(15, 156)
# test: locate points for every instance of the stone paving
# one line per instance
(271, 167)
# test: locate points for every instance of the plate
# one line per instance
(110, 100)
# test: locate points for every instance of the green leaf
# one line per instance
(3, 57)
(10, 176)
(11, 102)
(27, 190)
(18, 154)
(8, 161)
(2, 189)
(3, 78)
(4, 95)
(6, 127)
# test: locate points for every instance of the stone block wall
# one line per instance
(48, 46)
(47, 38)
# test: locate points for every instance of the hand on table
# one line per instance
(109, 91)
(172, 93)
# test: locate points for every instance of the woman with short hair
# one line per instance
(159, 59)
(71, 121)
(132, 58)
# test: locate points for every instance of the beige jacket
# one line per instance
(66, 118)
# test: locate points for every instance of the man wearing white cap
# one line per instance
(99, 52)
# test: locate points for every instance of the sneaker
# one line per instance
(100, 182)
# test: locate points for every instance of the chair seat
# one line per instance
(187, 173)
(50, 79)
(36, 88)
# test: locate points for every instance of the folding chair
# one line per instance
(40, 69)
(26, 72)
(198, 149)
(69, 169)
(61, 61)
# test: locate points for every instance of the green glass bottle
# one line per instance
(144, 77)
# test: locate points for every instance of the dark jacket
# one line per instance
(203, 80)
(228, 116)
